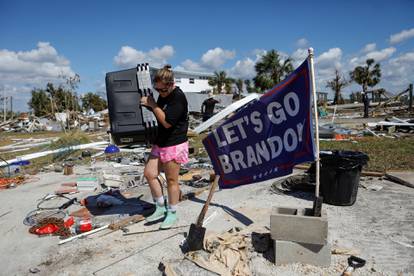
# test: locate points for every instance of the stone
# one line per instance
(287, 252)
(298, 225)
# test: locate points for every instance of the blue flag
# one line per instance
(266, 138)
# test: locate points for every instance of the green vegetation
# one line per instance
(365, 75)
(220, 81)
(64, 140)
(271, 69)
(94, 101)
(384, 153)
(70, 139)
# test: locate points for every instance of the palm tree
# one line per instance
(364, 76)
(271, 69)
(337, 84)
(220, 80)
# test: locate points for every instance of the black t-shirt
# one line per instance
(175, 107)
(208, 106)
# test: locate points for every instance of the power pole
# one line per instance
(11, 107)
(410, 97)
(4, 105)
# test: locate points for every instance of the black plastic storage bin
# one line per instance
(125, 112)
(339, 176)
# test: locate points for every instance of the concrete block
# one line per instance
(293, 252)
(298, 225)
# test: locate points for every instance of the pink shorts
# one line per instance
(179, 153)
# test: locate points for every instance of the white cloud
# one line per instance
(20, 71)
(130, 57)
(301, 43)
(401, 36)
(211, 60)
(381, 55)
(215, 58)
(329, 59)
(243, 69)
(398, 72)
(190, 65)
(299, 56)
(369, 47)
(377, 55)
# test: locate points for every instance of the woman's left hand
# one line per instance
(148, 101)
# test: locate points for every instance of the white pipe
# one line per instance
(333, 117)
(315, 108)
(45, 153)
(84, 234)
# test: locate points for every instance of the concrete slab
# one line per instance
(287, 252)
(379, 225)
(298, 225)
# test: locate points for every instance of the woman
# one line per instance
(170, 149)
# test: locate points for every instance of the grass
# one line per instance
(71, 139)
(196, 141)
(6, 137)
(384, 153)
(64, 140)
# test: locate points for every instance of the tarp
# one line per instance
(268, 137)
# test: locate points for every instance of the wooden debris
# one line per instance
(398, 180)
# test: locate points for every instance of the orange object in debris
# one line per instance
(339, 137)
(69, 222)
(6, 182)
(85, 225)
(47, 229)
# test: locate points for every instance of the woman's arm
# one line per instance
(158, 112)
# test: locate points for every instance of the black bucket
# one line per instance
(339, 176)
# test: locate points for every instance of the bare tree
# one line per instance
(337, 84)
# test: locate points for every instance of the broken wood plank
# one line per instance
(363, 173)
(398, 180)
(124, 222)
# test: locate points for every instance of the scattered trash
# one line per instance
(375, 187)
(87, 183)
(34, 270)
(227, 254)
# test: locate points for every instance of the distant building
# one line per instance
(191, 82)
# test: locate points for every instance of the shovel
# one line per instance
(197, 232)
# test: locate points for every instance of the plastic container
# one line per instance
(84, 225)
(339, 176)
(126, 115)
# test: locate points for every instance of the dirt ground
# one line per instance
(379, 226)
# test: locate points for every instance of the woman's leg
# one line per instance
(172, 170)
(151, 172)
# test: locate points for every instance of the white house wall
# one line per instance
(198, 85)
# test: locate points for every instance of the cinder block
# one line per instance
(293, 252)
(298, 225)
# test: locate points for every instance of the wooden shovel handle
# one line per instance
(205, 207)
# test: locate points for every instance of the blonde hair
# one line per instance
(165, 75)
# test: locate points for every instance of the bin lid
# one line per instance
(343, 158)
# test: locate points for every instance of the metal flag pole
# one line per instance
(315, 108)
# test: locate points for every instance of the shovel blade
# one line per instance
(195, 237)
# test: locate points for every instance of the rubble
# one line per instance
(110, 193)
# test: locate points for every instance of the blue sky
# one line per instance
(42, 39)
